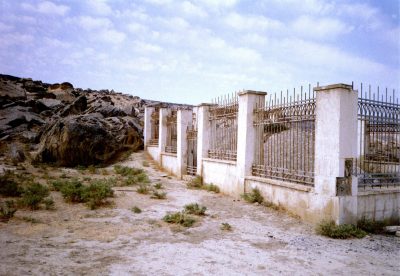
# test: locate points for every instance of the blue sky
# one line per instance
(192, 51)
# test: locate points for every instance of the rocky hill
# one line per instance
(69, 126)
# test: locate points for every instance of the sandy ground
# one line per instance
(73, 240)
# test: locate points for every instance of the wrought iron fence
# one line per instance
(155, 123)
(224, 128)
(171, 144)
(285, 137)
(378, 162)
(191, 136)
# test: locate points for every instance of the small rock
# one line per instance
(397, 234)
(392, 228)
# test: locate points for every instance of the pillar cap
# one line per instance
(334, 86)
(206, 104)
(253, 92)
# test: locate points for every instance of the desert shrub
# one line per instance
(142, 177)
(226, 226)
(7, 210)
(92, 169)
(195, 183)
(96, 193)
(9, 185)
(159, 195)
(80, 168)
(254, 196)
(145, 164)
(48, 203)
(212, 188)
(179, 218)
(126, 171)
(31, 220)
(136, 210)
(72, 190)
(158, 186)
(344, 231)
(143, 189)
(195, 209)
(273, 206)
(104, 172)
(371, 226)
(33, 195)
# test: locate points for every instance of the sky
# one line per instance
(192, 51)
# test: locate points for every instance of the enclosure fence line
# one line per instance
(378, 162)
(285, 137)
(223, 117)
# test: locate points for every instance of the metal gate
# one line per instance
(191, 136)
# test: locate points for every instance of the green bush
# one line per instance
(254, 196)
(7, 210)
(33, 195)
(344, 231)
(96, 193)
(142, 178)
(226, 226)
(9, 185)
(49, 203)
(72, 190)
(195, 209)
(212, 188)
(136, 210)
(195, 183)
(371, 226)
(143, 189)
(179, 218)
(159, 195)
(126, 171)
(158, 186)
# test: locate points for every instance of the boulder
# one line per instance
(87, 139)
(16, 154)
(11, 90)
(77, 107)
(51, 103)
(17, 115)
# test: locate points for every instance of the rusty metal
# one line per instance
(191, 136)
(155, 127)
(378, 162)
(172, 134)
(285, 137)
(223, 117)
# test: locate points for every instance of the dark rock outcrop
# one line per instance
(88, 139)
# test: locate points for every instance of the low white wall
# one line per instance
(297, 199)
(154, 152)
(379, 204)
(224, 174)
(169, 162)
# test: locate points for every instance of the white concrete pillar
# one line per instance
(336, 141)
(184, 119)
(147, 125)
(248, 100)
(203, 134)
(162, 139)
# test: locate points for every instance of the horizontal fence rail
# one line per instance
(378, 162)
(223, 116)
(155, 123)
(285, 137)
(172, 135)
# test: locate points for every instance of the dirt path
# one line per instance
(116, 241)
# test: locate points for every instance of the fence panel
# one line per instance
(224, 128)
(191, 136)
(285, 137)
(378, 162)
(155, 124)
(172, 134)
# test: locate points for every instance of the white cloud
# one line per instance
(112, 36)
(219, 3)
(46, 7)
(251, 22)
(99, 7)
(56, 43)
(11, 39)
(320, 28)
(91, 23)
(192, 10)
(136, 27)
(147, 47)
(5, 27)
